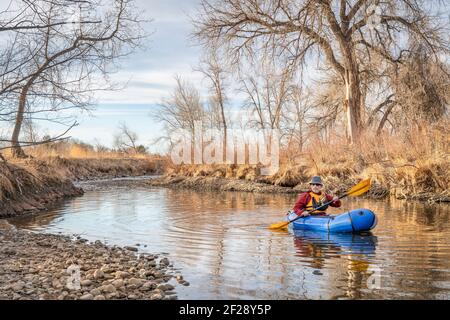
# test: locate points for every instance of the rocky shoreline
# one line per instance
(54, 267)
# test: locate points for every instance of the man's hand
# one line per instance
(305, 214)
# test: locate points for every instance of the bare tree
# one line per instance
(25, 17)
(421, 89)
(181, 110)
(296, 118)
(18, 16)
(215, 73)
(341, 34)
(65, 64)
(126, 139)
(267, 91)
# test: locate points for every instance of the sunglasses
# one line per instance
(315, 184)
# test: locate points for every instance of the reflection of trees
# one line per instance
(354, 273)
(357, 272)
(316, 252)
(415, 248)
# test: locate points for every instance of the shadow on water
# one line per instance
(221, 244)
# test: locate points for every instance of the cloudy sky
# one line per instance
(149, 75)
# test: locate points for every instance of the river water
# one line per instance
(221, 244)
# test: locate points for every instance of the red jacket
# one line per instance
(305, 197)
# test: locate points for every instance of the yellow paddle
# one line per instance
(355, 191)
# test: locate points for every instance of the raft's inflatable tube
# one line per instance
(357, 220)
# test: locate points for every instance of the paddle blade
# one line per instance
(279, 225)
(360, 188)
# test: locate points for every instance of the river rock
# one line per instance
(111, 295)
(149, 285)
(16, 296)
(169, 287)
(156, 296)
(98, 274)
(86, 283)
(95, 292)
(107, 288)
(161, 287)
(118, 283)
(57, 284)
(164, 262)
(87, 297)
(136, 282)
(106, 269)
(18, 286)
(184, 283)
(122, 274)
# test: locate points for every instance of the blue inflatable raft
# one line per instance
(353, 221)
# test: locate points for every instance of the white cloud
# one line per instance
(147, 86)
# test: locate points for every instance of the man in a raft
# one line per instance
(314, 198)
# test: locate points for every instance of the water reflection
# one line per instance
(221, 244)
(315, 243)
(353, 250)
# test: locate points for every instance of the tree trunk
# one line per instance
(384, 118)
(16, 149)
(352, 104)
(225, 129)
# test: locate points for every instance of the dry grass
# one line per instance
(78, 151)
(80, 162)
(412, 164)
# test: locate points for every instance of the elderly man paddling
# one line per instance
(314, 198)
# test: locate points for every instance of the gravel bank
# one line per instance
(44, 266)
